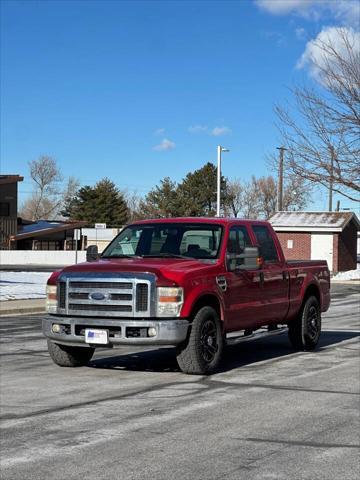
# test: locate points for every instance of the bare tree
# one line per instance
(325, 123)
(48, 199)
(257, 198)
(133, 201)
(234, 197)
(266, 190)
(250, 204)
(46, 176)
(67, 197)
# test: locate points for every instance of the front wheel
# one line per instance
(304, 332)
(68, 356)
(201, 353)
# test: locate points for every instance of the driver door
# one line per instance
(243, 295)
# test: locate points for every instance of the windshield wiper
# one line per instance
(166, 255)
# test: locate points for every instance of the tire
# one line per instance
(67, 356)
(304, 332)
(201, 353)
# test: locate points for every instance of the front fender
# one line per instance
(197, 292)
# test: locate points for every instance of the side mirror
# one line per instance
(249, 260)
(92, 253)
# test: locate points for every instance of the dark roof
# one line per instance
(313, 221)
(10, 179)
(44, 227)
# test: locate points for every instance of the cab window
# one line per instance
(266, 243)
(237, 242)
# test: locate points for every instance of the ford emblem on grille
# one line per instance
(98, 296)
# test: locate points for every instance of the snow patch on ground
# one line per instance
(22, 285)
(349, 275)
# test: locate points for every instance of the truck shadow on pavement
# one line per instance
(241, 355)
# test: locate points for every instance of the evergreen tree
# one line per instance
(103, 203)
(197, 192)
(162, 201)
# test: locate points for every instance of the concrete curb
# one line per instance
(22, 307)
(21, 311)
(346, 282)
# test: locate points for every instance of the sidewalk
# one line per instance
(18, 307)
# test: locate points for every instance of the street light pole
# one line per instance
(331, 180)
(280, 179)
(220, 149)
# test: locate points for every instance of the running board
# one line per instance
(234, 338)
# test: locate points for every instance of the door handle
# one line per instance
(221, 281)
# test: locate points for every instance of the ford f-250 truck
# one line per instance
(194, 283)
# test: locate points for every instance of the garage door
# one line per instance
(322, 248)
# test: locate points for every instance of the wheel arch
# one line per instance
(312, 290)
(208, 300)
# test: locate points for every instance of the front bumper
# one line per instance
(171, 331)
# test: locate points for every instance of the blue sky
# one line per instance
(137, 91)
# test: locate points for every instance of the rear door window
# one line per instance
(266, 243)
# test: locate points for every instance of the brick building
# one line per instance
(8, 208)
(330, 236)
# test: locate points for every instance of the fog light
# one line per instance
(152, 332)
(56, 328)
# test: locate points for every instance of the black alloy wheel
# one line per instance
(201, 352)
(305, 330)
(208, 340)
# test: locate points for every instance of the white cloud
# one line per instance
(159, 131)
(219, 131)
(314, 55)
(281, 7)
(347, 12)
(164, 145)
(277, 37)
(300, 33)
(198, 129)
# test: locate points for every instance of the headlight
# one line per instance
(169, 301)
(51, 298)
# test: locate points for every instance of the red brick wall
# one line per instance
(344, 247)
(301, 245)
(347, 248)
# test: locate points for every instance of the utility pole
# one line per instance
(280, 179)
(220, 149)
(331, 180)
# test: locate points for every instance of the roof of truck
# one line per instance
(213, 220)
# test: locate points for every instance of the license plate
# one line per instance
(93, 335)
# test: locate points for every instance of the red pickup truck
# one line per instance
(194, 283)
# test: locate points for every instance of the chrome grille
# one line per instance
(117, 285)
(101, 308)
(107, 295)
(142, 296)
(62, 295)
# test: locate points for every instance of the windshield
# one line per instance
(192, 240)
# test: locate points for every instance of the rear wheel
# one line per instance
(201, 353)
(67, 356)
(304, 332)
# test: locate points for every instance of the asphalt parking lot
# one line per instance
(269, 414)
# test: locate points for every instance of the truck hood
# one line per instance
(167, 270)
